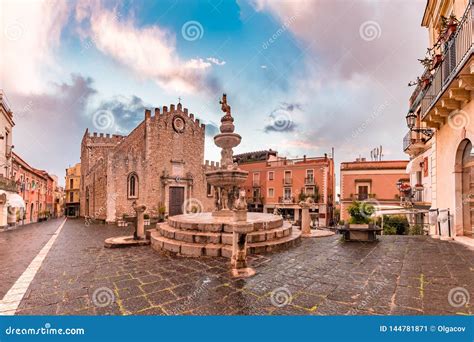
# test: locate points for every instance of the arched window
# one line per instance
(132, 190)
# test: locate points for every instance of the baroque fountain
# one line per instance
(229, 230)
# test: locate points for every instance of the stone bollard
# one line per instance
(140, 222)
(239, 250)
(305, 218)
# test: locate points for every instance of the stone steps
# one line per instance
(207, 223)
(193, 249)
(193, 236)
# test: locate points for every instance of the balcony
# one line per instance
(8, 184)
(286, 200)
(309, 181)
(361, 196)
(414, 143)
(418, 197)
(256, 183)
(287, 181)
(453, 79)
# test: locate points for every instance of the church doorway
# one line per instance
(176, 200)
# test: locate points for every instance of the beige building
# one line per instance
(159, 165)
(72, 190)
(440, 119)
(10, 201)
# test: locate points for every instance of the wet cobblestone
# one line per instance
(400, 275)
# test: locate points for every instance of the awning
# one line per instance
(15, 201)
(414, 165)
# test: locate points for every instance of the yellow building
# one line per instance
(72, 190)
(441, 121)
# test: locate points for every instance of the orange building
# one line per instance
(276, 182)
(33, 188)
(375, 181)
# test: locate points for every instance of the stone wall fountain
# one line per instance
(228, 230)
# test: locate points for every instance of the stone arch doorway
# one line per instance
(465, 187)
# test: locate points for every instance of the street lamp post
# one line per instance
(411, 122)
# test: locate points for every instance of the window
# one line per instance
(287, 177)
(271, 175)
(271, 192)
(309, 190)
(209, 190)
(363, 192)
(6, 144)
(309, 176)
(256, 178)
(132, 186)
(71, 197)
(256, 194)
(287, 193)
(71, 183)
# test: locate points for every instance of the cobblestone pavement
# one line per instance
(399, 275)
(19, 246)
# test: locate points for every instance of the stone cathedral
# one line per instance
(159, 164)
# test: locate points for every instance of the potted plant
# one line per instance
(418, 187)
(146, 219)
(448, 27)
(161, 213)
(437, 59)
(360, 226)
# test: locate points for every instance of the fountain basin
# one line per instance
(226, 178)
(227, 140)
(203, 234)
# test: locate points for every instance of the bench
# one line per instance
(360, 232)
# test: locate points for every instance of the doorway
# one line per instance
(176, 200)
(468, 189)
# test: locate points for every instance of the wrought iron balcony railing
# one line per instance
(8, 184)
(455, 53)
(286, 200)
(413, 138)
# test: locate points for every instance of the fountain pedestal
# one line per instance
(239, 250)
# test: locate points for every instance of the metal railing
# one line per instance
(418, 196)
(455, 53)
(287, 181)
(412, 138)
(8, 184)
(286, 200)
(309, 180)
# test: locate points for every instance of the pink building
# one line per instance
(374, 181)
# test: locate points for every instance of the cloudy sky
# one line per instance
(301, 76)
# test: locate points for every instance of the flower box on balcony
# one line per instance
(418, 187)
(450, 30)
(437, 59)
(425, 82)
